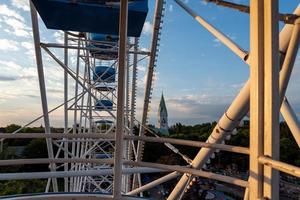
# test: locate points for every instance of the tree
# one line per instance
(12, 128)
(22, 187)
(37, 148)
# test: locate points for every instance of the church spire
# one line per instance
(162, 116)
(162, 105)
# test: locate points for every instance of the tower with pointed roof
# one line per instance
(162, 117)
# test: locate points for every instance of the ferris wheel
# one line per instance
(99, 154)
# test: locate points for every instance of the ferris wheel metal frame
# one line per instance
(118, 175)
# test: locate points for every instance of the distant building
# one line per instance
(162, 117)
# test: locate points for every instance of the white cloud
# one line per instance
(231, 36)
(203, 3)
(19, 28)
(29, 47)
(13, 71)
(10, 65)
(59, 36)
(8, 31)
(17, 82)
(202, 108)
(171, 8)
(204, 99)
(148, 28)
(144, 49)
(237, 86)
(20, 81)
(5, 11)
(141, 68)
(189, 109)
(21, 4)
(28, 72)
(217, 42)
(8, 45)
(15, 24)
(154, 78)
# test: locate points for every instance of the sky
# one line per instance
(197, 74)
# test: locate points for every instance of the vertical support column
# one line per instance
(76, 129)
(256, 97)
(131, 145)
(127, 90)
(89, 63)
(40, 70)
(157, 19)
(125, 177)
(120, 101)
(271, 97)
(66, 109)
(133, 85)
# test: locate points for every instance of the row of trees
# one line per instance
(289, 150)
(32, 148)
(154, 152)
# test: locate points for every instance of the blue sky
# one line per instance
(198, 75)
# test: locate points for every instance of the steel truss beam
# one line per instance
(53, 45)
(264, 98)
(286, 18)
(39, 62)
(111, 136)
(153, 168)
(157, 20)
(122, 67)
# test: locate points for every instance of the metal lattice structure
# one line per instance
(99, 156)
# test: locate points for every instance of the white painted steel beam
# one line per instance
(66, 116)
(181, 169)
(118, 156)
(271, 97)
(60, 174)
(39, 63)
(154, 183)
(150, 168)
(110, 137)
(291, 119)
(157, 20)
(54, 45)
(70, 196)
(281, 166)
